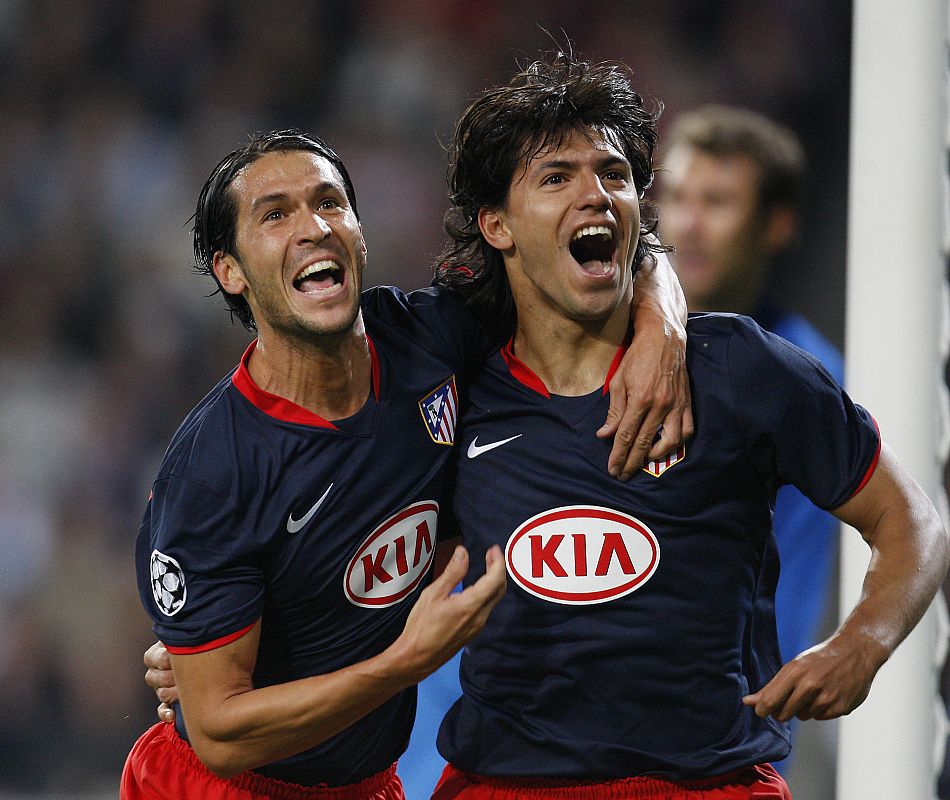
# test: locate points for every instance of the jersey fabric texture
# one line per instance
(807, 536)
(162, 765)
(324, 531)
(638, 614)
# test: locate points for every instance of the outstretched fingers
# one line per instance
(452, 573)
(678, 424)
(442, 621)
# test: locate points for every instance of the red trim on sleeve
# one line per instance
(214, 644)
(521, 372)
(873, 465)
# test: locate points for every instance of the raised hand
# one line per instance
(442, 622)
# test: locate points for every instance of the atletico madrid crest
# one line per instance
(658, 467)
(440, 411)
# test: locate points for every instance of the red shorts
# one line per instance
(753, 783)
(162, 766)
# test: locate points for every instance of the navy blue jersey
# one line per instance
(638, 614)
(324, 531)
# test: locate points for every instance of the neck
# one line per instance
(330, 376)
(571, 358)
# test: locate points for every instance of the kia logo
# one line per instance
(581, 555)
(394, 558)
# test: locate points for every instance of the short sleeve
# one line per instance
(822, 442)
(198, 573)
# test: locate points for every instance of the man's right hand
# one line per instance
(160, 679)
(443, 621)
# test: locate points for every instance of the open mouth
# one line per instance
(319, 277)
(593, 248)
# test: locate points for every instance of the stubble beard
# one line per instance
(292, 326)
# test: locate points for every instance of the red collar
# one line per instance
(525, 375)
(281, 408)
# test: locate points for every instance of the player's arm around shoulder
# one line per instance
(649, 393)
(910, 554)
(234, 727)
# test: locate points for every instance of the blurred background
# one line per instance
(113, 112)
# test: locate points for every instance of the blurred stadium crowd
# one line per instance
(112, 113)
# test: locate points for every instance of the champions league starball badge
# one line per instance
(168, 584)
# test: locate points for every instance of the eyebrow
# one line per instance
(277, 197)
(560, 163)
(266, 199)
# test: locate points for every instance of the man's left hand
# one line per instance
(825, 682)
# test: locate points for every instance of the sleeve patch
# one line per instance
(168, 584)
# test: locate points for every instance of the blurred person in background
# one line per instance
(730, 194)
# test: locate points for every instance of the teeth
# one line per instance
(320, 266)
(594, 230)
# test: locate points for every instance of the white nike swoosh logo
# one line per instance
(475, 450)
(294, 525)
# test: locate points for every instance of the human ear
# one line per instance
(363, 249)
(492, 225)
(229, 273)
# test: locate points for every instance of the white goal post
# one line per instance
(896, 347)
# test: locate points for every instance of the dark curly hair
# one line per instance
(507, 126)
(215, 219)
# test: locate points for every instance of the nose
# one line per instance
(313, 228)
(680, 217)
(593, 193)
(685, 216)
